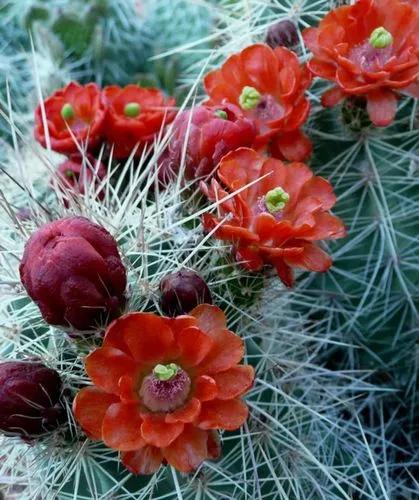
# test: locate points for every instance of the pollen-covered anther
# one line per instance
(249, 98)
(67, 112)
(276, 199)
(380, 38)
(166, 388)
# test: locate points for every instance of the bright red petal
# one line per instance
(209, 318)
(228, 350)
(381, 107)
(145, 461)
(332, 97)
(213, 445)
(228, 415)
(205, 388)
(89, 408)
(186, 414)
(293, 146)
(121, 428)
(157, 432)
(234, 382)
(188, 451)
(105, 366)
(151, 341)
(194, 345)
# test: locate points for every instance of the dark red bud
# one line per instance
(182, 291)
(282, 34)
(72, 269)
(29, 399)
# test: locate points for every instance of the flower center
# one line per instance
(380, 38)
(276, 199)
(67, 112)
(132, 109)
(69, 174)
(165, 388)
(249, 98)
(221, 114)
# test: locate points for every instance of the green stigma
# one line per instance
(249, 98)
(276, 199)
(221, 114)
(381, 38)
(132, 109)
(165, 372)
(67, 112)
(69, 174)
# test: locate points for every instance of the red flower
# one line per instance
(269, 86)
(369, 49)
(278, 219)
(203, 135)
(75, 110)
(163, 387)
(72, 269)
(135, 116)
(77, 174)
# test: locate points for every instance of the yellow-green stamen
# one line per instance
(132, 109)
(67, 112)
(380, 38)
(221, 114)
(276, 199)
(249, 98)
(165, 372)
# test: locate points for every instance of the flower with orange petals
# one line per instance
(276, 217)
(269, 86)
(74, 117)
(370, 49)
(135, 116)
(163, 387)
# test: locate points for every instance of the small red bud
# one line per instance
(29, 399)
(282, 34)
(183, 291)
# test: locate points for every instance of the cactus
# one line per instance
(334, 396)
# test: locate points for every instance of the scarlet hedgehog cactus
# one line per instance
(202, 136)
(163, 387)
(72, 269)
(29, 399)
(74, 118)
(269, 85)
(135, 116)
(278, 219)
(77, 175)
(368, 49)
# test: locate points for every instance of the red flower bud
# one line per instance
(282, 34)
(183, 291)
(208, 133)
(72, 269)
(76, 175)
(29, 399)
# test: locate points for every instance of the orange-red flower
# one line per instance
(278, 219)
(371, 49)
(135, 116)
(74, 117)
(163, 387)
(269, 86)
